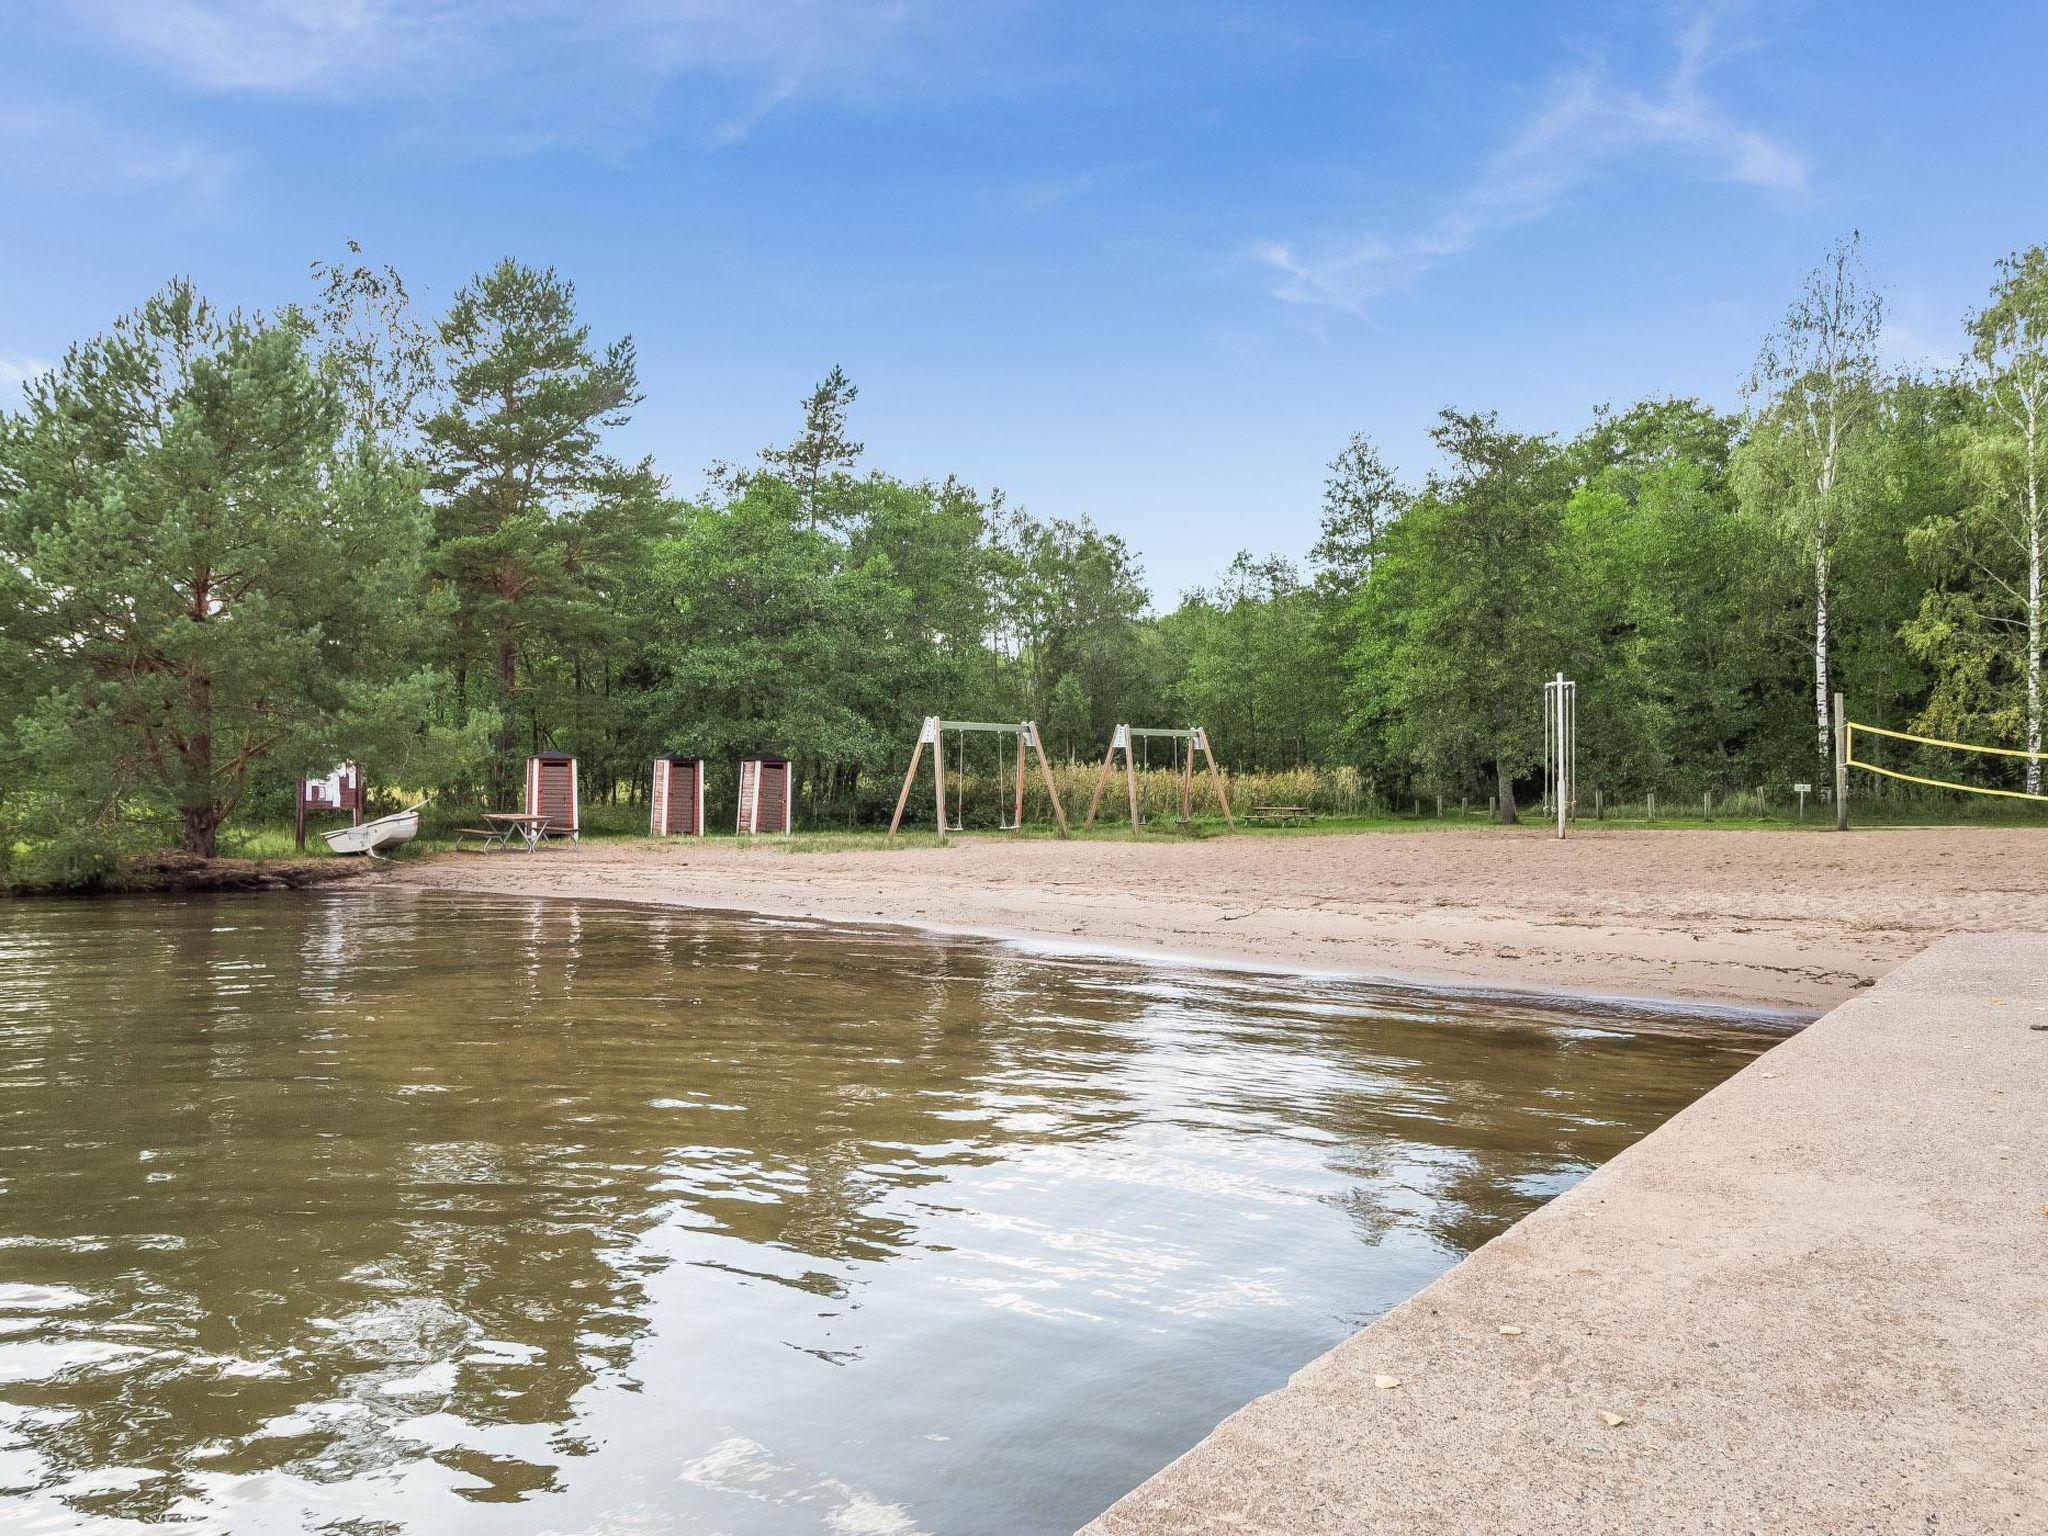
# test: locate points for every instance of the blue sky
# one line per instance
(1145, 262)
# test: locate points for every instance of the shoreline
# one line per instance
(1807, 1268)
(1783, 923)
(184, 874)
(1635, 1007)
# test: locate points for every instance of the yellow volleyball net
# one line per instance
(1853, 728)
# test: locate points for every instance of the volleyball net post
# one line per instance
(1841, 763)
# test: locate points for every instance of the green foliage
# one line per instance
(205, 579)
(1462, 616)
(539, 536)
(236, 549)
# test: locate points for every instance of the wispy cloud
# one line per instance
(1046, 194)
(66, 142)
(529, 72)
(1588, 124)
(16, 369)
(326, 46)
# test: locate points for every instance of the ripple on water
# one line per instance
(377, 1211)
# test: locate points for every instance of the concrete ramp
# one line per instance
(1816, 1301)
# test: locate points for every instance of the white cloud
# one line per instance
(1050, 193)
(1588, 124)
(69, 143)
(529, 72)
(271, 45)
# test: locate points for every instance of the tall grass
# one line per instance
(979, 800)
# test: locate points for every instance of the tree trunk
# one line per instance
(2033, 667)
(1820, 642)
(1504, 780)
(195, 803)
(503, 738)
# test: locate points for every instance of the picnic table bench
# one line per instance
(505, 826)
(1283, 815)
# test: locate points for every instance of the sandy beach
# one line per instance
(1782, 920)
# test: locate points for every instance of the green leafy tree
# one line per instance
(1255, 675)
(1069, 601)
(1460, 619)
(765, 636)
(1680, 603)
(823, 450)
(205, 579)
(1804, 463)
(523, 490)
(1981, 625)
(1361, 499)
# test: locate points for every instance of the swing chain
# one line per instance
(1008, 818)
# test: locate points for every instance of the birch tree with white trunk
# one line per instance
(1813, 396)
(2011, 349)
(1982, 625)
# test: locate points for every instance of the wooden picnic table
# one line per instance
(1285, 815)
(506, 825)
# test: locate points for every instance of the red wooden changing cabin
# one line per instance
(677, 798)
(764, 795)
(551, 792)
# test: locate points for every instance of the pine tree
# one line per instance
(211, 580)
(520, 477)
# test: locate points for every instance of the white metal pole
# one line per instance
(1557, 735)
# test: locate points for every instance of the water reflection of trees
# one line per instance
(351, 1174)
(320, 1188)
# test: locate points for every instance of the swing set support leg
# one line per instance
(1045, 771)
(1215, 778)
(1101, 783)
(903, 799)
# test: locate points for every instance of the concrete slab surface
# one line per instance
(1816, 1301)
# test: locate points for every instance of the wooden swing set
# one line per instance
(932, 734)
(1125, 739)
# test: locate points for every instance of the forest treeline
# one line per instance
(235, 548)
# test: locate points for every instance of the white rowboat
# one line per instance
(384, 832)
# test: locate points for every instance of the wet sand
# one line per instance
(1783, 920)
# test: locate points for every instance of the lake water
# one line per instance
(381, 1212)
